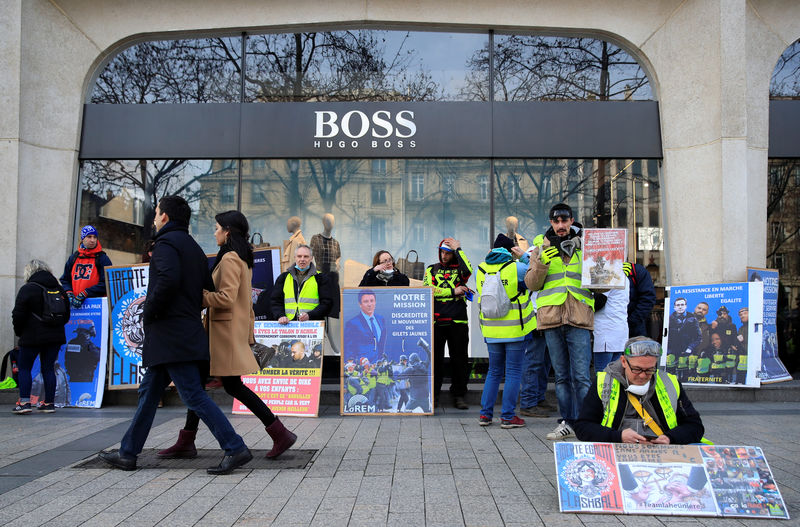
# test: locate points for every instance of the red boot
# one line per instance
(183, 448)
(282, 439)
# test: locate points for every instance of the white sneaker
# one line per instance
(562, 431)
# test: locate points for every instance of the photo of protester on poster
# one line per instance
(713, 334)
(772, 368)
(386, 350)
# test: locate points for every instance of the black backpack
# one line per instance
(55, 310)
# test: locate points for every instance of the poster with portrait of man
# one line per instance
(387, 362)
(712, 334)
(126, 287)
(772, 368)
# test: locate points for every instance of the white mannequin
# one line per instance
(512, 224)
(293, 225)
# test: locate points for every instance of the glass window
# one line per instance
(785, 82)
(483, 187)
(119, 198)
(378, 166)
(204, 70)
(783, 225)
(417, 187)
(378, 193)
(448, 187)
(587, 185)
(361, 65)
(543, 68)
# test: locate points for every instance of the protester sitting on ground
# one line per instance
(611, 416)
(40, 331)
(383, 272)
(84, 273)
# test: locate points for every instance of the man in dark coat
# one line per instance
(365, 334)
(175, 344)
(641, 300)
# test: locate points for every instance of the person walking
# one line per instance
(175, 343)
(40, 332)
(230, 333)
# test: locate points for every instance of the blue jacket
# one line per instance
(641, 302)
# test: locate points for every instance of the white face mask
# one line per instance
(638, 389)
(388, 272)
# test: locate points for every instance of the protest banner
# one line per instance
(126, 286)
(290, 382)
(674, 480)
(387, 363)
(712, 334)
(81, 363)
(604, 253)
(772, 369)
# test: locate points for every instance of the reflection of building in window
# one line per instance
(259, 164)
(417, 187)
(483, 187)
(378, 166)
(258, 192)
(513, 192)
(227, 194)
(378, 237)
(448, 187)
(780, 261)
(418, 234)
(124, 207)
(378, 194)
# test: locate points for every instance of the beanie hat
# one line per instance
(503, 241)
(86, 231)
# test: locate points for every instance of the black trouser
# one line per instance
(235, 387)
(457, 338)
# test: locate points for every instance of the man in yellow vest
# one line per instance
(632, 392)
(564, 312)
(301, 293)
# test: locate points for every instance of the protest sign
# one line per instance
(127, 288)
(772, 369)
(81, 364)
(712, 333)
(604, 253)
(290, 382)
(387, 363)
(675, 480)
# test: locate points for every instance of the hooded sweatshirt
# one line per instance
(84, 272)
(444, 278)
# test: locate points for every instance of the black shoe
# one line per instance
(116, 460)
(231, 463)
(460, 403)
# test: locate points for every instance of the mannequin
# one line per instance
(326, 249)
(512, 224)
(290, 245)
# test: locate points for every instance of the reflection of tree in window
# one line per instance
(483, 187)
(448, 187)
(557, 69)
(378, 237)
(417, 182)
(785, 82)
(228, 194)
(783, 206)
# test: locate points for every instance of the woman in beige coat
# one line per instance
(230, 333)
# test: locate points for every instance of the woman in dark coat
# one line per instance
(383, 272)
(38, 337)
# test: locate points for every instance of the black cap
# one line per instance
(722, 310)
(560, 210)
(503, 241)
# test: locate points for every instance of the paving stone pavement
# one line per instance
(440, 470)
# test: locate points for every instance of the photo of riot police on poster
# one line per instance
(713, 334)
(386, 351)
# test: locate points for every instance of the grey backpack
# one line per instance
(494, 301)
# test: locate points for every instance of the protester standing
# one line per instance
(230, 331)
(39, 335)
(84, 273)
(383, 272)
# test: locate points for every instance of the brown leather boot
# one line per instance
(282, 439)
(183, 448)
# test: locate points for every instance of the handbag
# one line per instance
(415, 269)
(262, 353)
(260, 243)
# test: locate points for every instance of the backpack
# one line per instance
(494, 302)
(55, 310)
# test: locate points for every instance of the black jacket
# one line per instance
(325, 288)
(641, 301)
(371, 279)
(31, 331)
(173, 329)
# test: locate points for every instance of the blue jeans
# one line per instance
(534, 374)
(47, 358)
(503, 357)
(571, 353)
(604, 358)
(187, 379)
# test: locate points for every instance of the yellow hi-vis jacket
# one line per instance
(667, 390)
(307, 298)
(519, 321)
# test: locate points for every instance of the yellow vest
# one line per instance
(562, 280)
(308, 297)
(519, 321)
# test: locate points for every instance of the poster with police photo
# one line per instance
(291, 368)
(712, 334)
(772, 369)
(81, 363)
(387, 361)
(126, 286)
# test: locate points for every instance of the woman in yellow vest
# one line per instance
(505, 335)
(630, 392)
